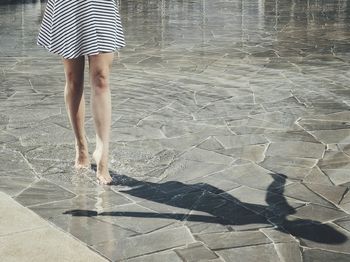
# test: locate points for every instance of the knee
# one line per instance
(74, 81)
(100, 81)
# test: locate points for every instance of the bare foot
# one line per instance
(82, 160)
(102, 173)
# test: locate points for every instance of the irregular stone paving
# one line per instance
(230, 136)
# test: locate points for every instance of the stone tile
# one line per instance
(13, 160)
(278, 235)
(196, 252)
(58, 152)
(239, 215)
(258, 200)
(168, 255)
(226, 240)
(76, 182)
(320, 213)
(338, 176)
(250, 253)
(8, 139)
(344, 148)
(212, 223)
(332, 193)
(289, 252)
(310, 255)
(335, 166)
(108, 198)
(316, 176)
(334, 160)
(343, 222)
(206, 156)
(148, 243)
(41, 192)
(254, 176)
(144, 220)
(234, 141)
(191, 168)
(80, 204)
(13, 185)
(302, 192)
(296, 149)
(340, 136)
(216, 183)
(292, 167)
(254, 153)
(88, 228)
(296, 136)
(318, 124)
(47, 133)
(211, 144)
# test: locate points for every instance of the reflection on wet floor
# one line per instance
(230, 135)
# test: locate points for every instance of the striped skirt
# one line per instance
(72, 28)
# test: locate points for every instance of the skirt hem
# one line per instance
(95, 52)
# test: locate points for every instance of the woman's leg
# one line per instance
(75, 106)
(99, 67)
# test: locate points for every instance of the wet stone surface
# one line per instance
(230, 132)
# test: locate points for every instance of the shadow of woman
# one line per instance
(221, 207)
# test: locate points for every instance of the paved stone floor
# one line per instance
(230, 134)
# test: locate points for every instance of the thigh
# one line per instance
(74, 69)
(100, 64)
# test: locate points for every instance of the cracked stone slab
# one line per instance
(237, 214)
(184, 170)
(316, 176)
(13, 160)
(343, 222)
(254, 153)
(316, 212)
(315, 124)
(144, 219)
(250, 253)
(296, 149)
(216, 183)
(289, 252)
(332, 193)
(13, 185)
(226, 240)
(310, 255)
(291, 136)
(292, 167)
(278, 235)
(168, 255)
(41, 192)
(339, 136)
(196, 252)
(254, 176)
(81, 224)
(261, 201)
(301, 192)
(148, 243)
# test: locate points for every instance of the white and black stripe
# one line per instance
(72, 28)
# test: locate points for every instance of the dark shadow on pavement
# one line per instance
(221, 207)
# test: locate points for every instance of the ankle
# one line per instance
(102, 167)
(81, 144)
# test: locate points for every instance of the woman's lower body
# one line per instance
(99, 69)
(73, 30)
